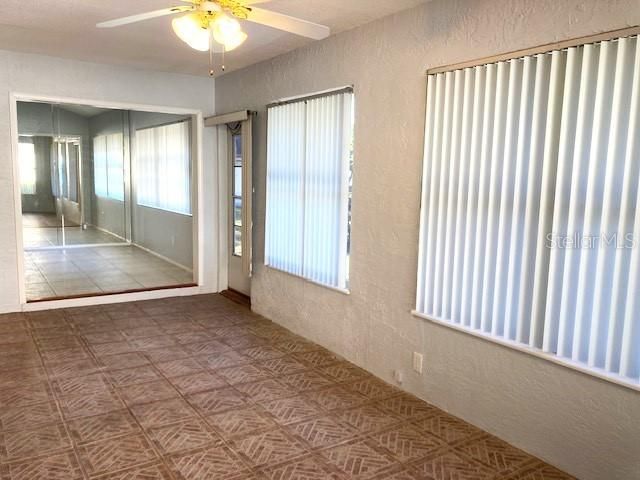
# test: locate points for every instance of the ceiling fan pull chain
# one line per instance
(211, 71)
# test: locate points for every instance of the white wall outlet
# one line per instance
(397, 376)
(417, 361)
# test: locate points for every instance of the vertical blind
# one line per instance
(530, 223)
(108, 166)
(163, 167)
(309, 160)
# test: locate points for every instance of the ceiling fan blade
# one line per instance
(144, 16)
(288, 24)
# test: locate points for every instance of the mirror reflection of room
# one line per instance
(106, 200)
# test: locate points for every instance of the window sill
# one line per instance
(104, 197)
(593, 372)
(343, 291)
(164, 210)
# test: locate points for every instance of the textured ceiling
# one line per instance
(66, 28)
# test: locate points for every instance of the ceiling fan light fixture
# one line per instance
(189, 29)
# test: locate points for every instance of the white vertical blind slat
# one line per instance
(593, 203)
(624, 268)
(562, 197)
(514, 96)
(547, 197)
(532, 209)
(452, 195)
(443, 188)
(612, 193)
(519, 203)
(472, 199)
(483, 194)
(434, 182)
(586, 108)
(426, 183)
(495, 183)
(463, 182)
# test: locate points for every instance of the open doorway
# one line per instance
(235, 137)
(107, 199)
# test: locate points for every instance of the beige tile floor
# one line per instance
(200, 388)
(45, 230)
(87, 270)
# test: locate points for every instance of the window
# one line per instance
(236, 145)
(108, 166)
(308, 175)
(163, 171)
(73, 160)
(27, 159)
(61, 162)
(67, 151)
(530, 224)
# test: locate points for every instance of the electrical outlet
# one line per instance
(397, 376)
(417, 361)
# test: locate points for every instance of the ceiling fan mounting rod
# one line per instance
(235, 8)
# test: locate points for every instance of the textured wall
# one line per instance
(584, 425)
(41, 75)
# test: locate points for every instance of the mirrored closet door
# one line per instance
(106, 199)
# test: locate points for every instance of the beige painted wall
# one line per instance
(586, 426)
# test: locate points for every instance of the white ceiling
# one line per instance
(66, 28)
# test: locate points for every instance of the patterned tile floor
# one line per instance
(200, 388)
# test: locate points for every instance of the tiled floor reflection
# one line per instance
(45, 230)
(48, 237)
(87, 270)
(200, 388)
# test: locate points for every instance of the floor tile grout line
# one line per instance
(202, 417)
(130, 412)
(373, 391)
(126, 407)
(59, 408)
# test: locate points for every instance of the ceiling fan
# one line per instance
(212, 25)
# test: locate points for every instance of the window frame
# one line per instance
(348, 192)
(33, 169)
(235, 196)
(108, 195)
(189, 127)
(581, 367)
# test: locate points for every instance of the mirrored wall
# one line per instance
(106, 199)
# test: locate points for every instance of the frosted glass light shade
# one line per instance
(189, 30)
(227, 31)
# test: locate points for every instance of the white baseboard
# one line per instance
(162, 257)
(104, 230)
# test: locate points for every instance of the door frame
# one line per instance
(197, 200)
(220, 122)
